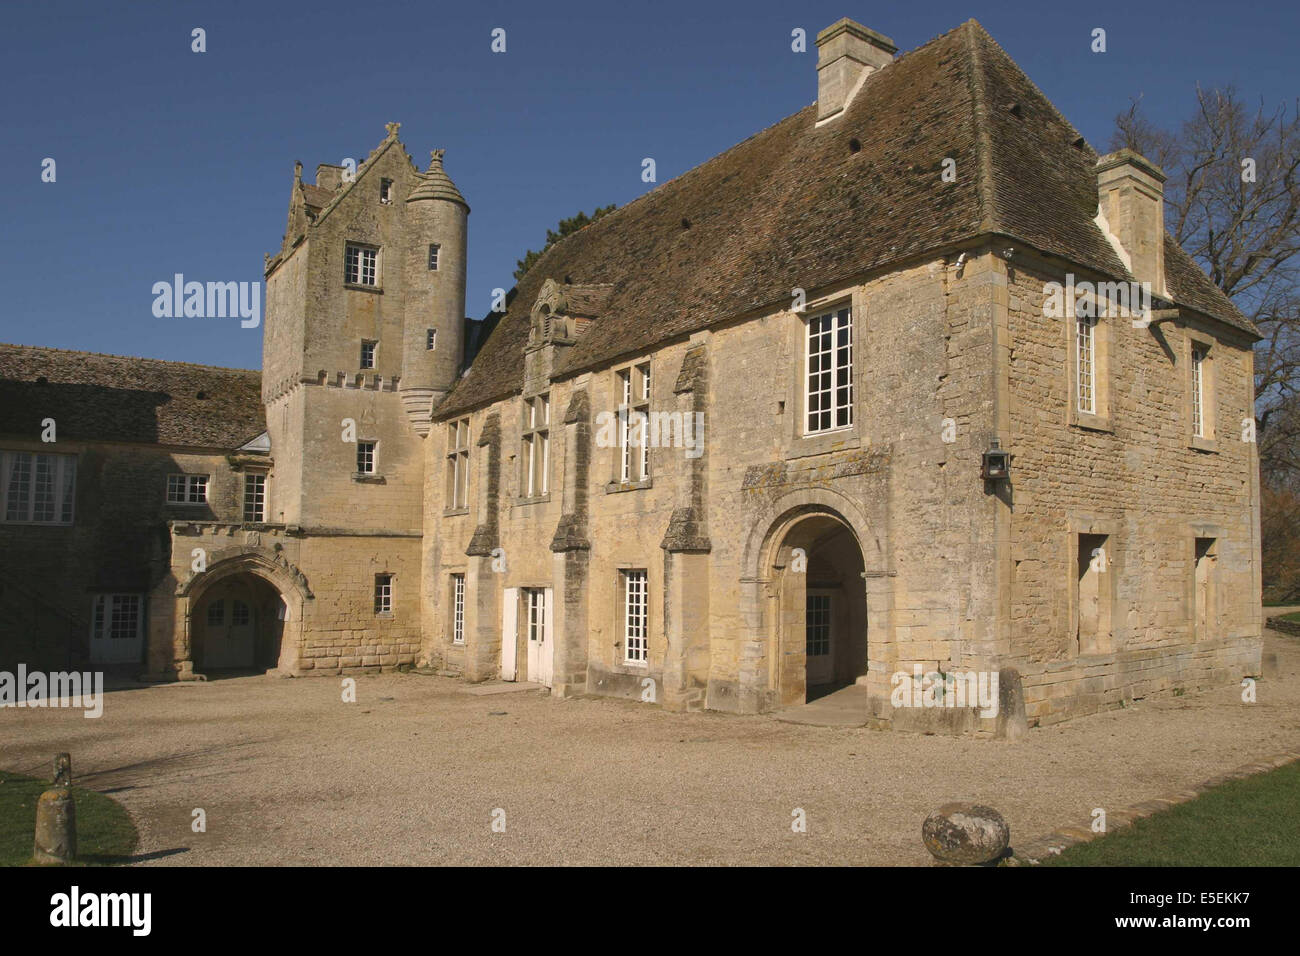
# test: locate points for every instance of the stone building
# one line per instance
(857, 305)
(911, 381)
(98, 454)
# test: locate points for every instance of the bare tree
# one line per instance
(1233, 202)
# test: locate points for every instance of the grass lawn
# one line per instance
(1247, 822)
(1292, 617)
(105, 834)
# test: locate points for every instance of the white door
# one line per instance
(820, 631)
(548, 659)
(117, 629)
(509, 632)
(540, 645)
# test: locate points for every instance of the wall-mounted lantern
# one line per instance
(997, 463)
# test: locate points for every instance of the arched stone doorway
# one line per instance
(820, 598)
(237, 624)
(245, 611)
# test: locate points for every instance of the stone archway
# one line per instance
(772, 660)
(244, 587)
(237, 624)
(818, 599)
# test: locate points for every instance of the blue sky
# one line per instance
(172, 161)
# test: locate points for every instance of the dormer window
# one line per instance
(386, 191)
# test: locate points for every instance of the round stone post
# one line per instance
(56, 817)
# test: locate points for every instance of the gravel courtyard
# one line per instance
(411, 774)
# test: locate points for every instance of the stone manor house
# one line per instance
(802, 418)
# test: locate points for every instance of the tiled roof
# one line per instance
(118, 398)
(317, 197)
(434, 183)
(807, 207)
(588, 301)
(1190, 286)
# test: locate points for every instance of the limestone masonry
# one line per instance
(807, 418)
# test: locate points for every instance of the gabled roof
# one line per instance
(798, 206)
(97, 397)
(317, 197)
(1190, 286)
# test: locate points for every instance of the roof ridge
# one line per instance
(132, 358)
(984, 185)
(659, 189)
(362, 168)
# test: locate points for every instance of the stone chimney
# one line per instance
(847, 53)
(329, 177)
(1131, 211)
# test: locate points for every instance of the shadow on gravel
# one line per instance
(96, 859)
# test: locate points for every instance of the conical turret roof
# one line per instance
(434, 183)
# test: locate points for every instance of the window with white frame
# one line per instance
(37, 488)
(383, 594)
(187, 489)
(458, 609)
(368, 353)
(1085, 363)
(458, 464)
(1198, 390)
(433, 257)
(536, 615)
(635, 618)
(634, 423)
(536, 458)
(117, 617)
(430, 339)
(828, 396)
(366, 457)
(361, 265)
(255, 497)
(386, 191)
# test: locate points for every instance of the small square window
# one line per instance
(366, 457)
(433, 257)
(368, 353)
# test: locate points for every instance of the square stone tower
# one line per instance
(365, 319)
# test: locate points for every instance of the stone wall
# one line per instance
(960, 573)
(702, 527)
(118, 542)
(1137, 477)
(326, 583)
